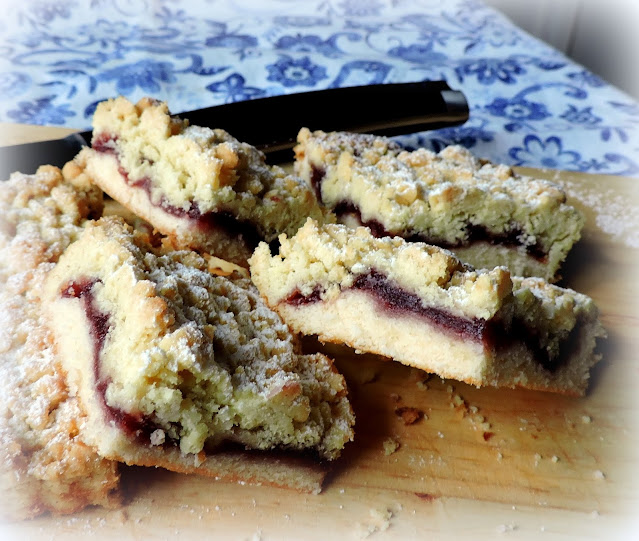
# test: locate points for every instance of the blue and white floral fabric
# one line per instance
(530, 105)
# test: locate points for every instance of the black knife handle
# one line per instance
(27, 157)
(271, 124)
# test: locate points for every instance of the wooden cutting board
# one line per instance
(480, 463)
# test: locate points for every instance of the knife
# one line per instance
(271, 124)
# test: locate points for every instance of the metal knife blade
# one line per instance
(271, 124)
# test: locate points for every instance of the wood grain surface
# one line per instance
(480, 463)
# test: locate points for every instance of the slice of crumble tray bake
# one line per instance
(178, 367)
(418, 304)
(485, 213)
(44, 465)
(202, 187)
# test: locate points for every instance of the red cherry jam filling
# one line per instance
(136, 426)
(105, 143)
(473, 233)
(317, 176)
(393, 298)
(511, 238)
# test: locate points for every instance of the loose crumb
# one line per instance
(599, 475)
(409, 415)
(586, 419)
(555, 459)
(504, 528)
(380, 520)
(471, 413)
(390, 446)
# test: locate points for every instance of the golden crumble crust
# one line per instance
(41, 214)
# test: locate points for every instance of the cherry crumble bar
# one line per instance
(202, 187)
(485, 213)
(208, 364)
(419, 305)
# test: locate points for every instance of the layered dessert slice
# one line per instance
(486, 214)
(201, 186)
(419, 305)
(44, 465)
(180, 368)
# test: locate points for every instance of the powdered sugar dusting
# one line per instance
(38, 418)
(615, 214)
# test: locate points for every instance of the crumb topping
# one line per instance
(41, 214)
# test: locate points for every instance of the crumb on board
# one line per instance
(471, 414)
(380, 520)
(367, 375)
(409, 415)
(422, 380)
(390, 446)
(505, 528)
(598, 475)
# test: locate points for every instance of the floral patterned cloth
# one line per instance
(530, 105)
